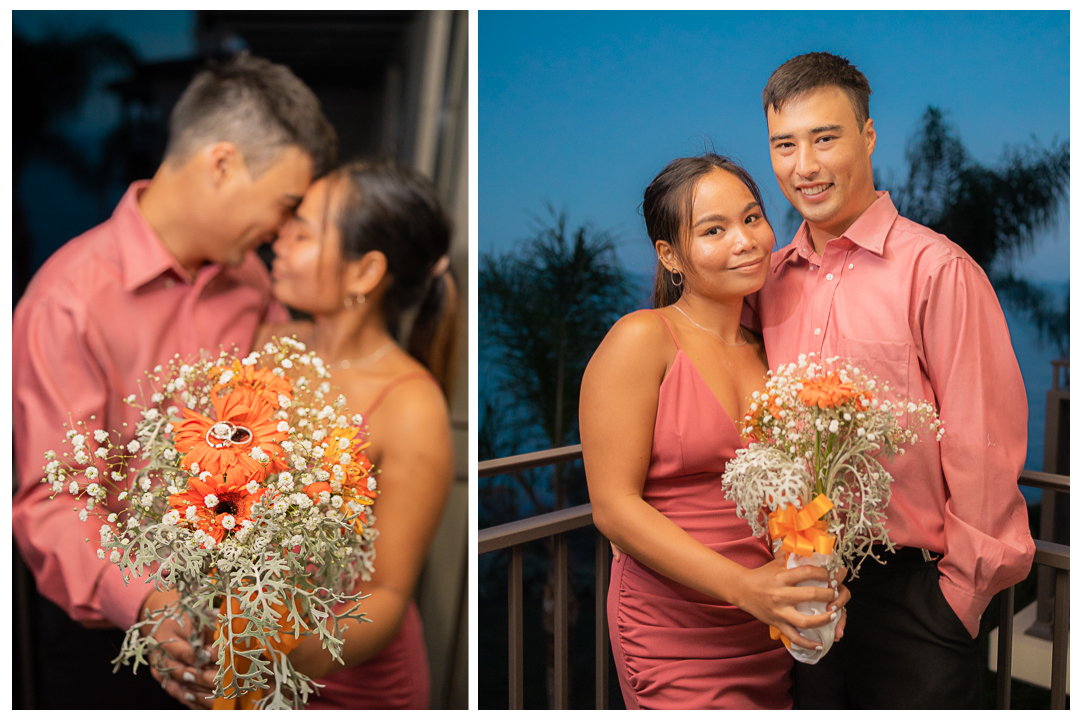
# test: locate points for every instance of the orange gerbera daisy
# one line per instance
(222, 503)
(828, 391)
(244, 422)
(262, 381)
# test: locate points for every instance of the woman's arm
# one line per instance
(619, 396)
(416, 465)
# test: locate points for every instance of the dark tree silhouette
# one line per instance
(995, 214)
(543, 311)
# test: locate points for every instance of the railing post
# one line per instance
(602, 650)
(517, 651)
(1060, 657)
(562, 623)
(1004, 649)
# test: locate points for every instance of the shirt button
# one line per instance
(169, 282)
(829, 276)
(851, 266)
(817, 331)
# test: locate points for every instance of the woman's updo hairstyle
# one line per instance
(387, 206)
(668, 208)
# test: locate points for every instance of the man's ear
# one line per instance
(870, 135)
(364, 275)
(223, 163)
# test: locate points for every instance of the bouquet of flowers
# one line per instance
(253, 501)
(818, 432)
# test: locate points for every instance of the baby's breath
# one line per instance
(820, 427)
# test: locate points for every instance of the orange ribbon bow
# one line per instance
(282, 642)
(803, 531)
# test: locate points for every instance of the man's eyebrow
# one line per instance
(813, 131)
(716, 217)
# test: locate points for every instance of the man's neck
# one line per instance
(160, 204)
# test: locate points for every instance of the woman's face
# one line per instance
(307, 253)
(730, 243)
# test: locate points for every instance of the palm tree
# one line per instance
(993, 213)
(543, 311)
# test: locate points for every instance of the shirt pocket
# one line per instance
(889, 362)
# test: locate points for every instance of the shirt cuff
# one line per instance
(968, 607)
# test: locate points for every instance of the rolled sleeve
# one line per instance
(983, 406)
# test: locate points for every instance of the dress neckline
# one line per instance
(700, 378)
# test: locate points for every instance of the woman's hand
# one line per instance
(770, 594)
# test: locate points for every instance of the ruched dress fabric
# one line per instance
(395, 679)
(675, 647)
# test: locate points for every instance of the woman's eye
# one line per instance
(714, 231)
(752, 218)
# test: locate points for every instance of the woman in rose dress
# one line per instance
(368, 244)
(692, 592)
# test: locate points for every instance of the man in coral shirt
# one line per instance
(172, 271)
(913, 308)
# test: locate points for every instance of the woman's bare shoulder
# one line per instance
(642, 334)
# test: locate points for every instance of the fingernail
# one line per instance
(189, 697)
(832, 584)
(833, 616)
(188, 677)
(835, 594)
(818, 647)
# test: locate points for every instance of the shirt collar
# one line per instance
(868, 232)
(143, 256)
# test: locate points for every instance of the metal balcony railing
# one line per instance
(512, 536)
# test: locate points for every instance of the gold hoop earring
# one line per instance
(673, 274)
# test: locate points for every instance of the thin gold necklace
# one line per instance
(713, 331)
(366, 360)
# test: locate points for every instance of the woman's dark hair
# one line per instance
(389, 207)
(668, 207)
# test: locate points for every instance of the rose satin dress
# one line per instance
(675, 647)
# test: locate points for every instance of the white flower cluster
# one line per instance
(823, 427)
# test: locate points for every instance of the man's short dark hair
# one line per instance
(804, 73)
(257, 105)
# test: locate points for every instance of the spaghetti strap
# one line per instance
(668, 327)
(394, 383)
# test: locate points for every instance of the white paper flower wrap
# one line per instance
(822, 635)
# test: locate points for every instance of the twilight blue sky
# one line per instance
(582, 109)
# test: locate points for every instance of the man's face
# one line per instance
(822, 160)
(254, 210)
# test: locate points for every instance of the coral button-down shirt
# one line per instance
(105, 309)
(911, 307)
